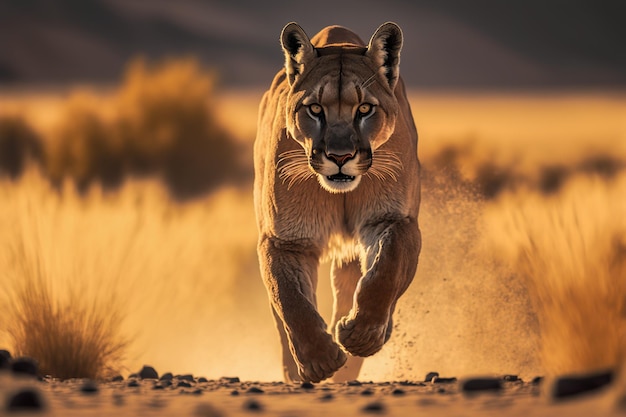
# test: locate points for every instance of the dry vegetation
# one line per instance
(107, 264)
(570, 249)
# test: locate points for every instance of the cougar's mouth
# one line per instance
(340, 177)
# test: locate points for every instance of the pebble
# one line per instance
(511, 378)
(255, 390)
(429, 376)
(537, 380)
(230, 379)
(367, 392)
(5, 359)
(148, 372)
(25, 366)
(253, 405)
(133, 383)
(202, 379)
(89, 387)
(375, 407)
(307, 385)
(568, 386)
(481, 384)
(398, 391)
(26, 400)
(117, 378)
(186, 377)
(183, 384)
(354, 383)
(327, 397)
(234, 392)
(441, 380)
(167, 376)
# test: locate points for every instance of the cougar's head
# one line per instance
(341, 107)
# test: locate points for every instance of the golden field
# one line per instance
(523, 268)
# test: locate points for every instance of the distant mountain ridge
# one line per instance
(448, 43)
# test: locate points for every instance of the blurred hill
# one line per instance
(448, 43)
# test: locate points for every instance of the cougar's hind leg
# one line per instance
(345, 277)
(290, 369)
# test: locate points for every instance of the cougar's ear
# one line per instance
(298, 50)
(384, 49)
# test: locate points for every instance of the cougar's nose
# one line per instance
(340, 159)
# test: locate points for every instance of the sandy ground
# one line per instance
(230, 397)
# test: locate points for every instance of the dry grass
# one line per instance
(570, 248)
(182, 276)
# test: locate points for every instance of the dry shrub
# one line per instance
(84, 147)
(477, 167)
(162, 124)
(70, 339)
(19, 145)
(570, 248)
(71, 335)
(168, 126)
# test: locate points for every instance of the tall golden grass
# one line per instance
(99, 281)
(570, 249)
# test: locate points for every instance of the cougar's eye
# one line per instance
(365, 109)
(315, 109)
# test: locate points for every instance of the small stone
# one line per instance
(307, 385)
(166, 382)
(25, 366)
(5, 359)
(367, 392)
(537, 380)
(429, 376)
(440, 380)
(28, 399)
(481, 384)
(398, 392)
(255, 390)
(327, 397)
(253, 405)
(166, 377)
(354, 383)
(158, 386)
(202, 379)
(375, 407)
(511, 378)
(133, 383)
(117, 378)
(230, 379)
(234, 392)
(568, 386)
(89, 387)
(183, 384)
(148, 372)
(186, 377)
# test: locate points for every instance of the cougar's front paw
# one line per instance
(320, 360)
(361, 337)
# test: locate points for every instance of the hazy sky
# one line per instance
(448, 44)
